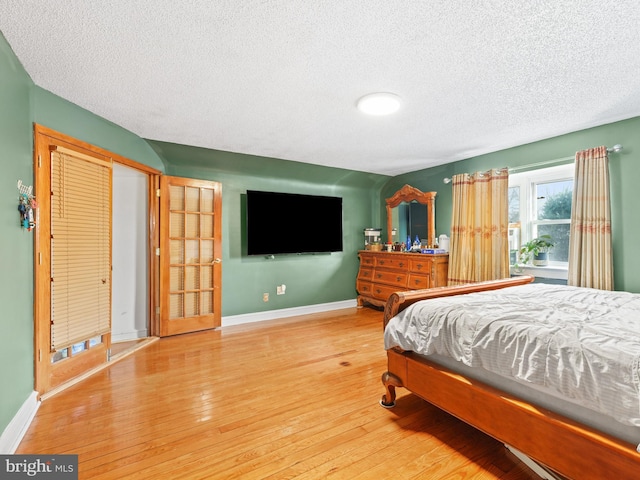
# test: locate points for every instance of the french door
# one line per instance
(190, 253)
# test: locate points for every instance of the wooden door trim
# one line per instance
(154, 258)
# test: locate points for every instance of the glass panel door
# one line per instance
(190, 246)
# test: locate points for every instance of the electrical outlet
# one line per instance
(281, 289)
(265, 297)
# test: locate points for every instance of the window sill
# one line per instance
(550, 271)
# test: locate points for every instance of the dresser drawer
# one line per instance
(422, 265)
(417, 282)
(383, 292)
(390, 277)
(364, 288)
(366, 261)
(365, 274)
(392, 261)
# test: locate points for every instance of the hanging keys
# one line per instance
(26, 204)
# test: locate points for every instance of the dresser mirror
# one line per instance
(411, 212)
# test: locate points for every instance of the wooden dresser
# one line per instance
(382, 273)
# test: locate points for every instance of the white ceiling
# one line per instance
(281, 78)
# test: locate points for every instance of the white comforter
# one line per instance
(582, 344)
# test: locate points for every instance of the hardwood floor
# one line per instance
(289, 399)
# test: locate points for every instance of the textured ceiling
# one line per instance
(281, 78)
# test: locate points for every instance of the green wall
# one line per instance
(310, 279)
(624, 168)
(16, 244)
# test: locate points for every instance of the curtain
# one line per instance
(480, 227)
(590, 253)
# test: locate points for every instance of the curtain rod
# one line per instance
(615, 149)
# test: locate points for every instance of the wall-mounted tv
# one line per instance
(280, 223)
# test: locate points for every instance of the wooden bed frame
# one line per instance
(559, 443)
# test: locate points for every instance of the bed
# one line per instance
(566, 394)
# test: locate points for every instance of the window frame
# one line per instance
(527, 182)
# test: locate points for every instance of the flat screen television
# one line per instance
(279, 223)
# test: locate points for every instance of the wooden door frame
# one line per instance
(43, 137)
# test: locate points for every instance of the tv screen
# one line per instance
(293, 223)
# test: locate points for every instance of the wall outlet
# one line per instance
(281, 289)
(265, 297)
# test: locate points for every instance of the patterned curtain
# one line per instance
(479, 247)
(590, 253)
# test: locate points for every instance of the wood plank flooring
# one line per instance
(287, 399)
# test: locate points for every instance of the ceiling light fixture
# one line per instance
(380, 103)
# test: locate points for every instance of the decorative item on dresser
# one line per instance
(383, 273)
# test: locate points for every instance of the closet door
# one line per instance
(190, 265)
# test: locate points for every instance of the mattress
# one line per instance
(572, 350)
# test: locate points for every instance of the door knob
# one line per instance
(217, 260)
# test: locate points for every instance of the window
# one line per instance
(540, 204)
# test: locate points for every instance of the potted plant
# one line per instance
(536, 251)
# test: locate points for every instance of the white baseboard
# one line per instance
(285, 312)
(12, 435)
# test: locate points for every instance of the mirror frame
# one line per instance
(410, 194)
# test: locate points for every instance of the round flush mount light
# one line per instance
(379, 103)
